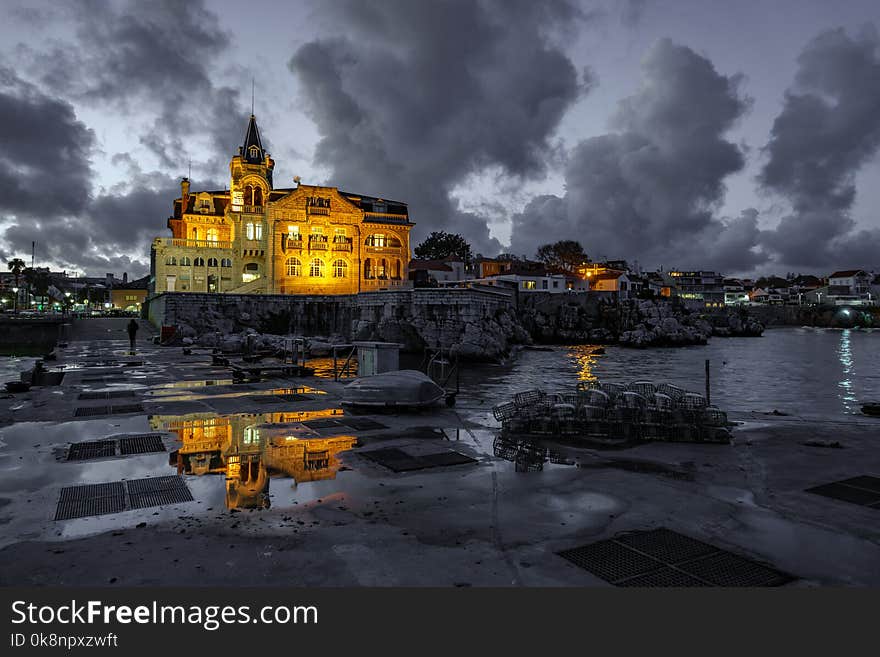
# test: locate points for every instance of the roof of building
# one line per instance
(252, 138)
(137, 284)
(429, 265)
(608, 275)
(846, 273)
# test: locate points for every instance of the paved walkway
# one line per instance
(89, 329)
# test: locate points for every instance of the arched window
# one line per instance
(294, 267)
(340, 268)
(185, 261)
(199, 262)
(226, 262)
(249, 195)
(258, 196)
(368, 268)
(170, 260)
(382, 269)
(316, 268)
(195, 233)
(397, 268)
(250, 273)
(212, 262)
(376, 239)
(213, 235)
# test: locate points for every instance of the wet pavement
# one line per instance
(290, 488)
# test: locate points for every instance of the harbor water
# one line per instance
(797, 371)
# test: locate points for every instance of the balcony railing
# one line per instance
(342, 246)
(315, 209)
(253, 209)
(201, 244)
(386, 216)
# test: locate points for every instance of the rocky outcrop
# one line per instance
(736, 323)
(659, 324)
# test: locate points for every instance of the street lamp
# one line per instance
(15, 300)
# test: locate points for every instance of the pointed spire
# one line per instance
(252, 139)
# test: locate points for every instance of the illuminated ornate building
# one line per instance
(256, 239)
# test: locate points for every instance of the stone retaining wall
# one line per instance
(477, 323)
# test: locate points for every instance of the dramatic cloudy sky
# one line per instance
(740, 136)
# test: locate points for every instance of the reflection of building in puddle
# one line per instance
(179, 393)
(250, 447)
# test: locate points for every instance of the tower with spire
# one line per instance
(252, 165)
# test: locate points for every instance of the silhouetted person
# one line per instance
(132, 333)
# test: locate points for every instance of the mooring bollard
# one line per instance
(708, 394)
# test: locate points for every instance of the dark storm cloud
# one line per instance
(411, 98)
(144, 59)
(828, 129)
(650, 190)
(148, 54)
(44, 162)
(631, 12)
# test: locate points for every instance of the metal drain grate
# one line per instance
(143, 444)
(863, 490)
(399, 461)
(664, 578)
(727, 569)
(87, 411)
(101, 499)
(111, 394)
(662, 557)
(94, 449)
(126, 408)
(297, 396)
(363, 424)
(90, 500)
(322, 424)
(666, 545)
(158, 491)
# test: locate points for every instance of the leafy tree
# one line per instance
(440, 244)
(38, 281)
(564, 254)
(16, 266)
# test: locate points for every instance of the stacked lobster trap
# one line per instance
(611, 414)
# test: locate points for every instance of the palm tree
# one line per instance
(16, 266)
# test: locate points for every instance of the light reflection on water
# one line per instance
(798, 370)
(846, 361)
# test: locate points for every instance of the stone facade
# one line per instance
(258, 239)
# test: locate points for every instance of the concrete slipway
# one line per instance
(475, 524)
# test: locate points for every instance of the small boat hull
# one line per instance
(403, 388)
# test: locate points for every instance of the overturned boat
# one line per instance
(402, 388)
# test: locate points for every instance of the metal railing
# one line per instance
(209, 244)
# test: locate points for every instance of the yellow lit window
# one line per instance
(316, 268)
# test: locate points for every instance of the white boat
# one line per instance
(408, 388)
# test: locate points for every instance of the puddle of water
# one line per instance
(168, 394)
(248, 449)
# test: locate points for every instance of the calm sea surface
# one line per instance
(798, 371)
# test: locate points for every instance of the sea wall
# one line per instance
(473, 323)
(29, 336)
(823, 316)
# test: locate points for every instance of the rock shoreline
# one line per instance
(496, 336)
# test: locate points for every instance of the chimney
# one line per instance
(184, 194)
